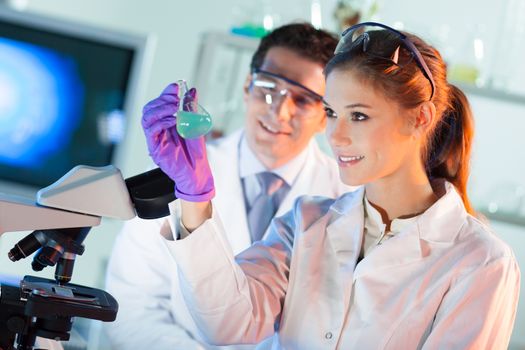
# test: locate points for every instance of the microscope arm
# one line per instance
(79, 199)
(23, 214)
(85, 194)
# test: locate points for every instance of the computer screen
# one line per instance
(65, 95)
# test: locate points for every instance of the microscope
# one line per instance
(60, 219)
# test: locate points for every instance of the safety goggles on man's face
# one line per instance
(272, 89)
(401, 55)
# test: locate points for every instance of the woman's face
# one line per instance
(371, 136)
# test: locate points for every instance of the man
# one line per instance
(283, 96)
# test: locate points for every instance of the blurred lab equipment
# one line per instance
(346, 14)
(470, 65)
(350, 12)
(254, 18)
(316, 14)
(223, 60)
(509, 49)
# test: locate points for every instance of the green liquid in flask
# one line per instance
(192, 125)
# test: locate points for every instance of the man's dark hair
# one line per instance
(302, 38)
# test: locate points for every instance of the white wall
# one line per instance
(177, 25)
(498, 166)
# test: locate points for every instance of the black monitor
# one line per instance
(66, 94)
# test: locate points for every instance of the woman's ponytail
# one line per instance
(450, 146)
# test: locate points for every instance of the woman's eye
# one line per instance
(359, 117)
(330, 113)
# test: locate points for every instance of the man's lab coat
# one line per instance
(445, 282)
(142, 276)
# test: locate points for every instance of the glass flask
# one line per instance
(192, 119)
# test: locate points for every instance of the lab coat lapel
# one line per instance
(451, 211)
(401, 249)
(345, 234)
(324, 255)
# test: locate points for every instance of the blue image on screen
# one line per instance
(41, 99)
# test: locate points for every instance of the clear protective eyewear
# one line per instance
(404, 53)
(272, 89)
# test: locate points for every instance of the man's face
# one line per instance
(278, 131)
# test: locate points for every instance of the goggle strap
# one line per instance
(417, 55)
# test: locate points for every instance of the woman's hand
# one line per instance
(183, 160)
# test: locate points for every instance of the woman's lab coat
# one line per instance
(141, 273)
(446, 282)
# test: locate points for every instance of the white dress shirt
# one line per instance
(375, 231)
(250, 166)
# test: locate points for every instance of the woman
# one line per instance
(401, 263)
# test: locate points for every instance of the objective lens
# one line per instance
(37, 266)
(25, 247)
(64, 270)
(47, 256)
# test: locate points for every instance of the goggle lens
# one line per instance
(272, 88)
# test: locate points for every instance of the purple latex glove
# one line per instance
(183, 160)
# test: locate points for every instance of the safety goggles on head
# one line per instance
(404, 53)
(272, 88)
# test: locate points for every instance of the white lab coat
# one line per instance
(445, 282)
(142, 275)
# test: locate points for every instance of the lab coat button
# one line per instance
(328, 335)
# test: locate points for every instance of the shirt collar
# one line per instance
(374, 222)
(250, 165)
